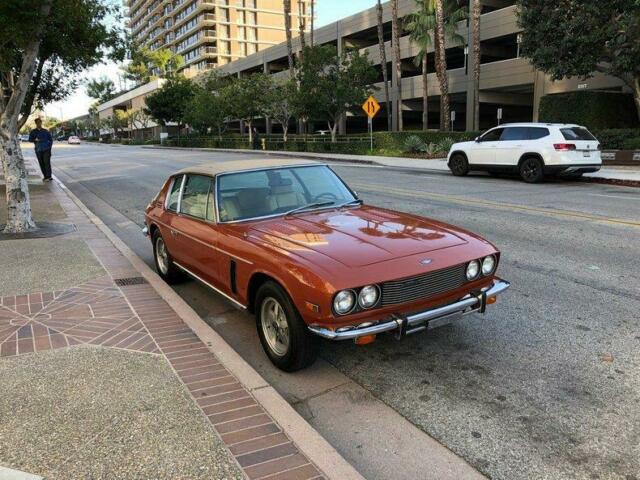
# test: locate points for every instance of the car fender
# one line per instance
(531, 153)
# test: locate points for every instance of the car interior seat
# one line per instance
(282, 195)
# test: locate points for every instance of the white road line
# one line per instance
(614, 196)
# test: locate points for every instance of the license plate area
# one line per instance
(586, 154)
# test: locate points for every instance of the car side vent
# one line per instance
(232, 276)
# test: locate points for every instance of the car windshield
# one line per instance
(278, 191)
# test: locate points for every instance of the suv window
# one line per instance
(174, 195)
(195, 196)
(514, 133)
(492, 135)
(537, 132)
(576, 133)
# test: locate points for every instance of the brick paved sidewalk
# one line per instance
(121, 310)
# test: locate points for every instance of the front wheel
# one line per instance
(164, 261)
(283, 334)
(459, 165)
(531, 170)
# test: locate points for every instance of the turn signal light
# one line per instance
(365, 340)
(564, 147)
(492, 300)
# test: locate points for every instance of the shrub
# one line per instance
(632, 144)
(414, 144)
(445, 144)
(591, 108)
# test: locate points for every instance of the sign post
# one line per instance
(499, 115)
(453, 119)
(371, 107)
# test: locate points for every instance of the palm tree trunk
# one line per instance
(301, 26)
(441, 67)
(395, 40)
(311, 24)
(383, 66)
(425, 94)
(475, 40)
(287, 27)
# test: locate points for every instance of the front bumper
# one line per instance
(427, 319)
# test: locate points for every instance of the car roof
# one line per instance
(217, 168)
(537, 124)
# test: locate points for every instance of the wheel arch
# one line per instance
(524, 156)
(461, 152)
(256, 280)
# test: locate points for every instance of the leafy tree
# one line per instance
(281, 103)
(333, 84)
(102, 89)
(44, 45)
(567, 38)
(246, 97)
(147, 65)
(169, 103)
(209, 109)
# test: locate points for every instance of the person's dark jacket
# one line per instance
(44, 139)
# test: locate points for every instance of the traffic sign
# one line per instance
(371, 107)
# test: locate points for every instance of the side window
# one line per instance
(511, 134)
(174, 195)
(210, 203)
(195, 196)
(537, 132)
(492, 135)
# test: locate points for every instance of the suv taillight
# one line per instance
(564, 147)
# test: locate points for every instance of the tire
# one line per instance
(531, 170)
(459, 165)
(165, 267)
(278, 319)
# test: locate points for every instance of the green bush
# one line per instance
(445, 144)
(632, 144)
(414, 144)
(591, 108)
(613, 139)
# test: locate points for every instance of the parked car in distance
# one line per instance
(531, 150)
(63, 138)
(73, 140)
(24, 137)
(289, 241)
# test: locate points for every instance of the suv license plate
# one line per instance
(586, 154)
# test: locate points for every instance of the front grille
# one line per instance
(422, 286)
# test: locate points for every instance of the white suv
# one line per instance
(532, 150)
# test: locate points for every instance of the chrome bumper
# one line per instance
(145, 231)
(418, 321)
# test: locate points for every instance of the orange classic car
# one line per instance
(291, 242)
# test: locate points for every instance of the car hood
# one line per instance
(356, 236)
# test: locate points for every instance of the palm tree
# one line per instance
(311, 22)
(420, 25)
(383, 65)
(395, 40)
(301, 25)
(287, 28)
(476, 10)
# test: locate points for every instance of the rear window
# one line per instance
(576, 133)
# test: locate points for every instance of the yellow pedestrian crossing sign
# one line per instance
(371, 107)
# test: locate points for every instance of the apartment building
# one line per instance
(209, 33)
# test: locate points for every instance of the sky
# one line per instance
(327, 11)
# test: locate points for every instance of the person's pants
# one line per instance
(44, 159)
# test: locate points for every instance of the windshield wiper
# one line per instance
(357, 201)
(309, 205)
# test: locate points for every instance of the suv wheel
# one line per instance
(459, 165)
(282, 331)
(531, 170)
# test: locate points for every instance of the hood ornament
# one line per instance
(426, 261)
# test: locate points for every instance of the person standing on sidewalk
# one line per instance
(43, 141)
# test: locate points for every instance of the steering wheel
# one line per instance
(327, 195)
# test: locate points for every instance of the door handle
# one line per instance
(174, 234)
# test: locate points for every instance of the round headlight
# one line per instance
(344, 301)
(368, 296)
(473, 270)
(488, 265)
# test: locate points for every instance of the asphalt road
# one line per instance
(545, 385)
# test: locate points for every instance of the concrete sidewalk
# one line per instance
(615, 173)
(107, 373)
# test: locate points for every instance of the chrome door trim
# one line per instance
(217, 290)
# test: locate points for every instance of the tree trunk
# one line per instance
(287, 28)
(441, 67)
(19, 218)
(285, 130)
(475, 40)
(636, 94)
(311, 22)
(395, 40)
(333, 128)
(425, 93)
(301, 26)
(383, 65)
(249, 123)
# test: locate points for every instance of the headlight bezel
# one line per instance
(354, 302)
(478, 268)
(377, 298)
(493, 267)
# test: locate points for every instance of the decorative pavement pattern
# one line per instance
(121, 310)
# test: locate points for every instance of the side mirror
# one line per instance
(477, 139)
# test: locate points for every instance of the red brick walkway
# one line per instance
(135, 317)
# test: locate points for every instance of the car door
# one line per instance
(484, 150)
(169, 214)
(195, 230)
(511, 146)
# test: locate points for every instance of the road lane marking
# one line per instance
(503, 206)
(630, 197)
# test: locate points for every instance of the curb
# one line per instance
(306, 438)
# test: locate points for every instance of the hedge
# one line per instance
(614, 139)
(632, 144)
(591, 108)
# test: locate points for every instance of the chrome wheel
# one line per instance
(275, 328)
(162, 257)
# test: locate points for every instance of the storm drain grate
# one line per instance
(124, 282)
